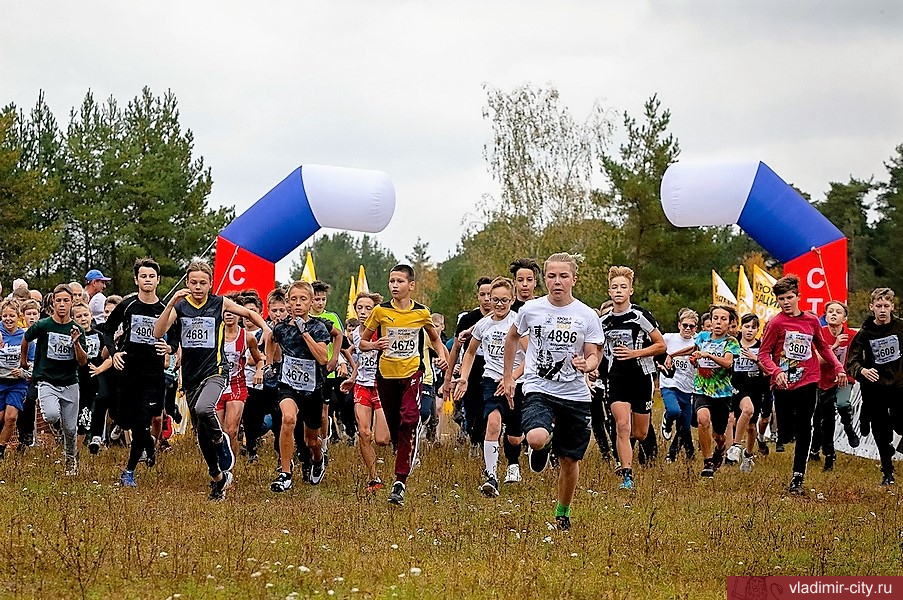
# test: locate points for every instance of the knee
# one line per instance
(623, 427)
(537, 438)
(640, 433)
(365, 434)
(704, 419)
(289, 422)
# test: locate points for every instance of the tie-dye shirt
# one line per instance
(711, 379)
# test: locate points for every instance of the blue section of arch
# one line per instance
(781, 220)
(277, 223)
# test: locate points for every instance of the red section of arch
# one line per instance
(236, 269)
(823, 275)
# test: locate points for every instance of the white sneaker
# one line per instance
(512, 475)
(94, 446)
(747, 463)
(733, 453)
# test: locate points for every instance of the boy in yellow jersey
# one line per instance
(402, 326)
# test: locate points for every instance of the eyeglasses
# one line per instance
(501, 301)
(688, 326)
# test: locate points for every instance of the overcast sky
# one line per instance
(805, 86)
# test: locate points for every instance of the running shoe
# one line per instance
(779, 447)
(94, 445)
(667, 428)
(115, 433)
(733, 454)
(218, 488)
(627, 482)
(225, 455)
(252, 457)
(814, 457)
(717, 458)
(796, 485)
(71, 467)
(763, 448)
(397, 495)
(708, 469)
(539, 459)
(151, 459)
(490, 487)
(829, 462)
(563, 523)
(282, 483)
(128, 479)
(887, 480)
(512, 474)
(317, 471)
(747, 463)
(852, 437)
(374, 485)
(25, 442)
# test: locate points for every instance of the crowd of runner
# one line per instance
(524, 370)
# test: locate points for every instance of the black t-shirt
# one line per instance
(137, 340)
(467, 321)
(746, 373)
(288, 334)
(631, 328)
(201, 333)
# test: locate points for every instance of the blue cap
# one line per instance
(94, 275)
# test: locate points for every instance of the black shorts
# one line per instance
(140, 397)
(571, 419)
(637, 391)
(719, 408)
(310, 405)
(511, 417)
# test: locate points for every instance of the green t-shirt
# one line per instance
(54, 357)
(334, 319)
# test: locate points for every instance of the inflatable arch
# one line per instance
(310, 198)
(771, 212)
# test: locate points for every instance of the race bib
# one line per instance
(618, 337)
(59, 346)
(92, 343)
(797, 346)
(141, 330)
(681, 363)
(886, 349)
(402, 342)
(9, 356)
(495, 345)
(841, 353)
(198, 332)
(711, 348)
(745, 365)
(299, 373)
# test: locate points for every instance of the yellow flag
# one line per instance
(309, 274)
(352, 294)
(745, 298)
(362, 281)
(721, 293)
(765, 304)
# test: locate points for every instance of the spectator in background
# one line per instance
(95, 284)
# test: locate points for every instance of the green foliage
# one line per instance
(337, 257)
(888, 231)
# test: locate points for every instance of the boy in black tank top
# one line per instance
(194, 317)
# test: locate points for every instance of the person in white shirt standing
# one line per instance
(564, 338)
(95, 284)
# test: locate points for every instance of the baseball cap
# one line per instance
(94, 274)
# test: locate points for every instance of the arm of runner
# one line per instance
(114, 321)
(233, 307)
(590, 359)
(23, 356)
(81, 357)
(337, 337)
(826, 354)
(657, 347)
(460, 385)
(511, 341)
(168, 316)
(104, 366)
(437, 345)
(725, 362)
(366, 345)
(450, 367)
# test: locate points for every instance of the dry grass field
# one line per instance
(676, 537)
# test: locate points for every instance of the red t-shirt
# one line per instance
(827, 380)
(789, 344)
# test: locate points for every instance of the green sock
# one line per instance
(562, 511)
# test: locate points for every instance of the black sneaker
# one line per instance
(151, 459)
(708, 469)
(490, 487)
(763, 448)
(564, 523)
(282, 483)
(94, 445)
(252, 457)
(814, 457)
(796, 485)
(317, 471)
(225, 455)
(852, 437)
(829, 462)
(779, 447)
(218, 488)
(667, 428)
(888, 480)
(539, 459)
(718, 458)
(396, 496)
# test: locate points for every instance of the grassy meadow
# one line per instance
(676, 536)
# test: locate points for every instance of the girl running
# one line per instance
(676, 385)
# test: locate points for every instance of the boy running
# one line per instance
(875, 361)
(563, 343)
(198, 319)
(60, 351)
(786, 355)
(750, 392)
(13, 378)
(401, 324)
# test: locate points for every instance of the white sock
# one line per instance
(324, 442)
(491, 456)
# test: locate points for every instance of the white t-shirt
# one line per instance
(491, 335)
(555, 336)
(366, 361)
(96, 305)
(684, 371)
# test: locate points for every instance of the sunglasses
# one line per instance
(688, 326)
